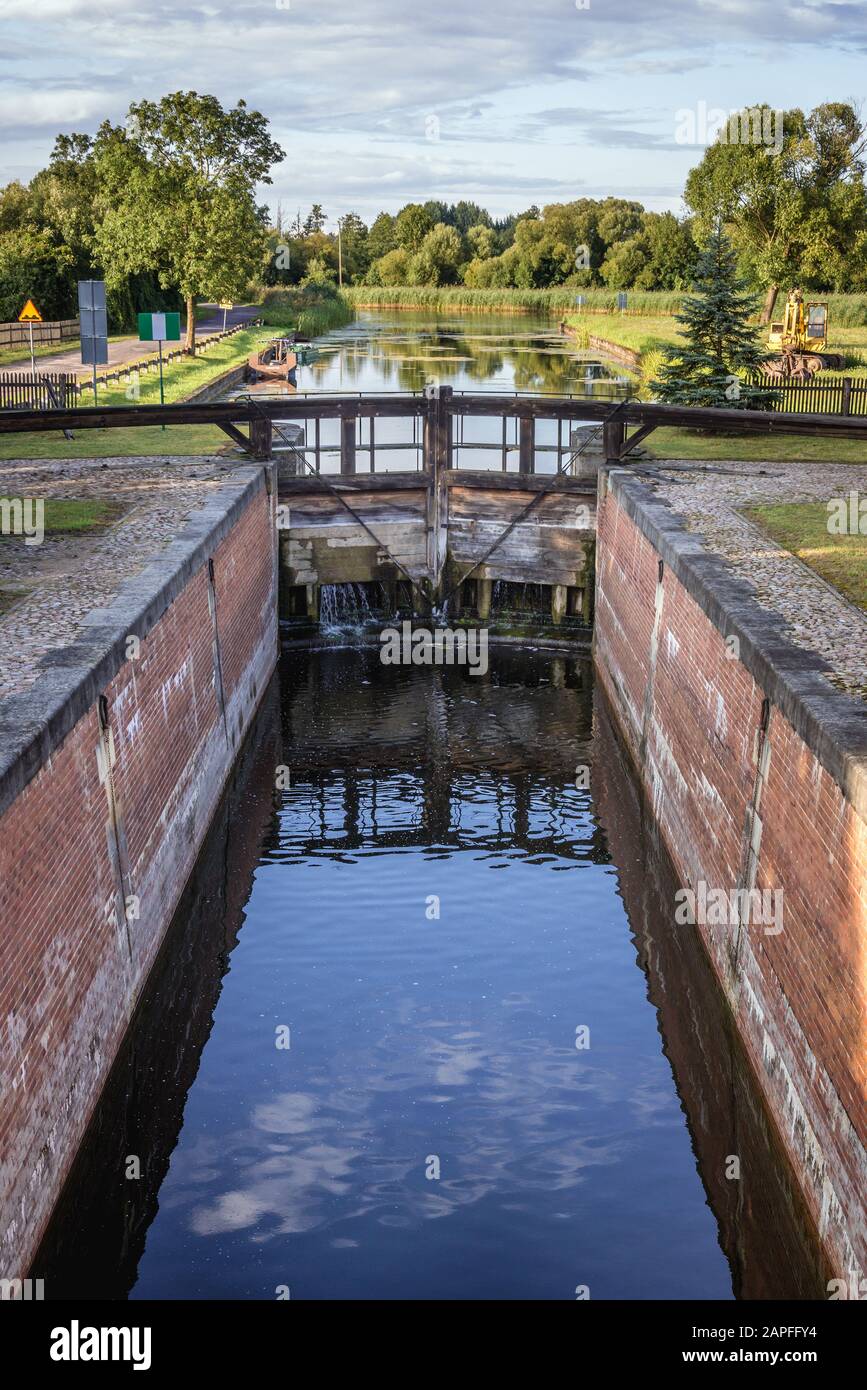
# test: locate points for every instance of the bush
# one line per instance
(312, 309)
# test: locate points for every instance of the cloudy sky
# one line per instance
(379, 102)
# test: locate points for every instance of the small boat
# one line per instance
(277, 359)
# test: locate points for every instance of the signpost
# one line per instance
(621, 301)
(94, 325)
(225, 308)
(159, 328)
(580, 300)
(30, 315)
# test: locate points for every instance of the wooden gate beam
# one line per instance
(636, 438)
(237, 435)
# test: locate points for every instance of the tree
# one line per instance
(437, 260)
(780, 200)
(315, 220)
(412, 226)
(31, 266)
(481, 240)
(176, 192)
(627, 262)
(382, 236)
(356, 254)
(673, 252)
(391, 269)
(719, 346)
(660, 256)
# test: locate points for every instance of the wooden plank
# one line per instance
(236, 434)
(554, 509)
(635, 412)
(357, 486)
(526, 440)
(515, 482)
(347, 444)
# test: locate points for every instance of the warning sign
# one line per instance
(30, 313)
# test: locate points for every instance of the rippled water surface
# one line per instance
(430, 908)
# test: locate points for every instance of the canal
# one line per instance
(384, 352)
(423, 1026)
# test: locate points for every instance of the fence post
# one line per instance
(347, 443)
(526, 442)
(613, 439)
(846, 404)
(261, 436)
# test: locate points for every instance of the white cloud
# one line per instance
(349, 88)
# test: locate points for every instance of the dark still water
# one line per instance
(431, 914)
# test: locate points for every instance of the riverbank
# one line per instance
(458, 298)
(641, 340)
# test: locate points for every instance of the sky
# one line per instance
(382, 102)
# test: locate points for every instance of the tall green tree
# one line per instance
(315, 220)
(791, 194)
(412, 226)
(382, 236)
(176, 194)
(720, 346)
(437, 259)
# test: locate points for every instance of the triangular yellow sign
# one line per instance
(30, 313)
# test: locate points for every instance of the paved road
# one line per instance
(130, 349)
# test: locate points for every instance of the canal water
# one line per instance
(424, 1028)
(383, 352)
(402, 350)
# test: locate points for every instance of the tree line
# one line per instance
(164, 209)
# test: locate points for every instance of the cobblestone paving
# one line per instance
(709, 498)
(68, 575)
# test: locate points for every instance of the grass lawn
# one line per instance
(146, 441)
(802, 528)
(64, 516)
(773, 448)
(641, 332)
(182, 377)
(649, 334)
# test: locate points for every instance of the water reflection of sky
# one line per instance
(415, 1037)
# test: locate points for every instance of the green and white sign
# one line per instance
(159, 328)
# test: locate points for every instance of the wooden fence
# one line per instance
(840, 396)
(18, 334)
(44, 391)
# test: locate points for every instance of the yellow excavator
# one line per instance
(802, 337)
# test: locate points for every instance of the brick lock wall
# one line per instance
(72, 960)
(764, 1228)
(691, 713)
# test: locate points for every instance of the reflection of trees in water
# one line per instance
(440, 353)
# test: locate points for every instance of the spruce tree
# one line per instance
(719, 347)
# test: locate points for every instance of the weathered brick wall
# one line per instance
(742, 745)
(101, 817)
(764, 1229)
